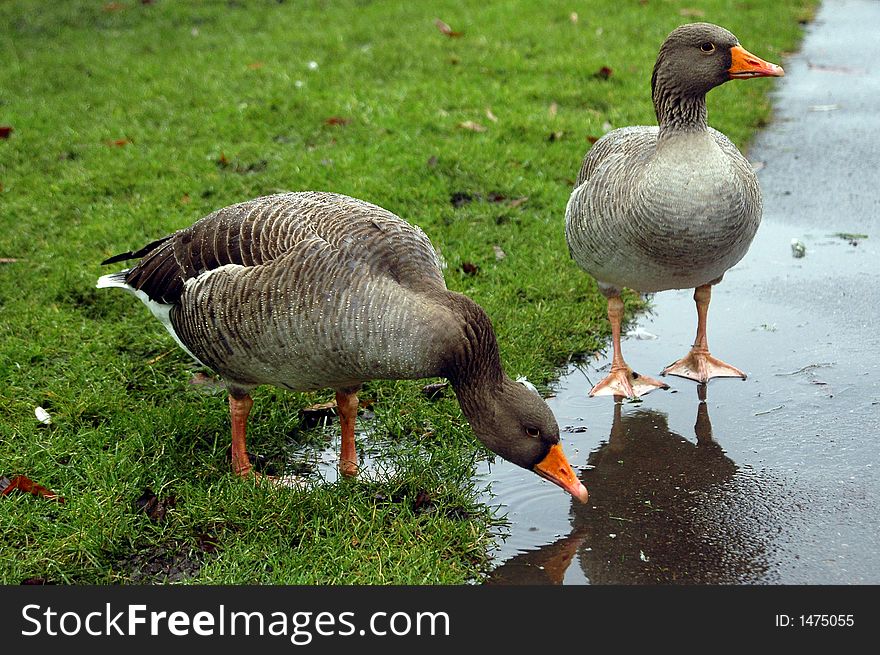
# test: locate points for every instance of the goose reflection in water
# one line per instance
(662, 510)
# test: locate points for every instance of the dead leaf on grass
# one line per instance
(445, 29)
(5, 131)
(469, 268)
(336, 120)
(492, 117)
(153, 506)
(435, 390)
(26, 485)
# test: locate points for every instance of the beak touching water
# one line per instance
(555, 467)
(745, 65)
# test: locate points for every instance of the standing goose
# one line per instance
(669, 207)
(306, 291)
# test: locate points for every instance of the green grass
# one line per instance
(213, 103)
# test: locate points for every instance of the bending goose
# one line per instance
(311, 290)
(672, 206)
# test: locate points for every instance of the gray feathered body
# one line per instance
(300, 290)
(653, 213)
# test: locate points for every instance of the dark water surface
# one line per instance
(768, 480)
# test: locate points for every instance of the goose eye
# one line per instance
(708, 48)
(533, 432)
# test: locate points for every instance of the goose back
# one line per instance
(303, 291)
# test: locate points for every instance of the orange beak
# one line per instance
(555, 467)
(745, 65)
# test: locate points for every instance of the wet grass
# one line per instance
(131, 120)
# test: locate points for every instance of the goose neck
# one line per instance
(474, 365)
(678, 109)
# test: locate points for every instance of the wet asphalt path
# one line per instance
(773, 480)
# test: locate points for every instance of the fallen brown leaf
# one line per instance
(315, 415)
(592, 139)
(336, 120)
(8, 260)
(435, 390)
(153, 506)
(118, 143)
(445, 29)
(469, 268)
(113, 6)
(26, 485)
(604, 73)
(5, 131)
(518, 201)
(255, 65)
(222, 162)
(423, 498)
(320, 407)
(553, 109)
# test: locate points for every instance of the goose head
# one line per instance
(697, 57)
(514, 422)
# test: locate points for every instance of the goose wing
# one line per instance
(259, 232)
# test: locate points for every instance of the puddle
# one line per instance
(768, 480)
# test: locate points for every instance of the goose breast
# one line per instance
(652, 215)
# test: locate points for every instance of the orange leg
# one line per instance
(239, 408)
(347, 406)
(698, 364)
(622, 381)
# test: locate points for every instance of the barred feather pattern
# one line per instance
(653, 214)
(305, 291)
